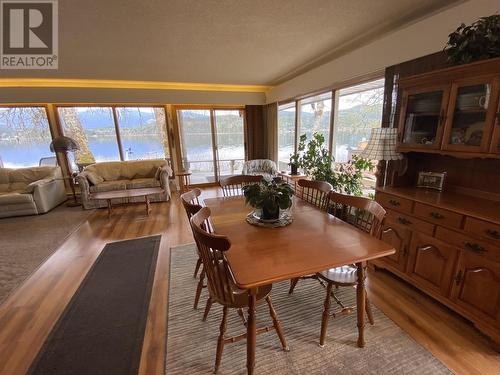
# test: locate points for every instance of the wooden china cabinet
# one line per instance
(448, 243)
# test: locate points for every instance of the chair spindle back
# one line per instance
(212, 248)
(231, 186)
(363, 213)
(315, 192)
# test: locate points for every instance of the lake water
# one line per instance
(16, 155)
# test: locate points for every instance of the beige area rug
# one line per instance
(26, 241)
(191, 343)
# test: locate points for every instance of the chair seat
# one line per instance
(345, 275)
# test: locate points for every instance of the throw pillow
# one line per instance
(158, 173)
(94, 178)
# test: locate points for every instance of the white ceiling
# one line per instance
(217, 41)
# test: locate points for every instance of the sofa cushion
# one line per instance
(28, 175)
(20, 186)
(15, 197)
(121, 170)
(109, 186)
(138, 183)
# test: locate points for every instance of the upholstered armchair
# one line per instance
(264, 167)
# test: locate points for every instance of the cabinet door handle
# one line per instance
(436, 215)
(458, 277)
(474, 247)
(405, 251)
(404, 221)
(493, 233)
(394, 202)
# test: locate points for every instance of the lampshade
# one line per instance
(63, 144)
(382, 145)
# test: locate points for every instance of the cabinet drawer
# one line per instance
(394, 203)
(484, 229)
(469, 244)
(410, 222)
(438, 215)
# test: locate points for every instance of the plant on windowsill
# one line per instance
(478, 41)
(269, 196)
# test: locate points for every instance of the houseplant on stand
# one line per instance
(269, 196)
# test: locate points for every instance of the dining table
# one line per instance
(315, 241)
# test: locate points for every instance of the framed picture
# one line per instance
(431, 180)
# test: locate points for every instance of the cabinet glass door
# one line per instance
(423, 116)
(495, 141)
(468, 125)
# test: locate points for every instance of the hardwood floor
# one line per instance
(29, 314)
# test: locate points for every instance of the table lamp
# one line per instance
(382, 147)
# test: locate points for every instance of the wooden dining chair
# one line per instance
(231, 186)
(190, 201)
(366, 215)
(221, 286)
(314, 192)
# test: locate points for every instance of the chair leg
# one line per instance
(277, 324)
(220, 341)
(242, 316)
(207, 309)
(293, 283)
(368, 309)
(199, 288)
(326, 315)
(198, 264)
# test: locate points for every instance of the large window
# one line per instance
(143, 132)
(115, 133)
(315, 114)
(359, 110)
(286, 134)
(93, 128)
(24, 136)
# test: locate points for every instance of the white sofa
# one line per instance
(30, 191)
(124, 175)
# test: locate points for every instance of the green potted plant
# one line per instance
(478, 41)
(269, 196)
(318, 165)
(294, 163)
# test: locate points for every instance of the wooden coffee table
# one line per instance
(132, 193)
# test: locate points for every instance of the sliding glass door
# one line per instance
(212, 143)
(230, 139)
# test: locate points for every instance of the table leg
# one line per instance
(360, 304)
(109, 208)
(251, 331)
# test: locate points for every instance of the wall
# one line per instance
(84, 95)
(418, 39)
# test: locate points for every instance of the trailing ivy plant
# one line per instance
(317, 163)
(478, 41)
